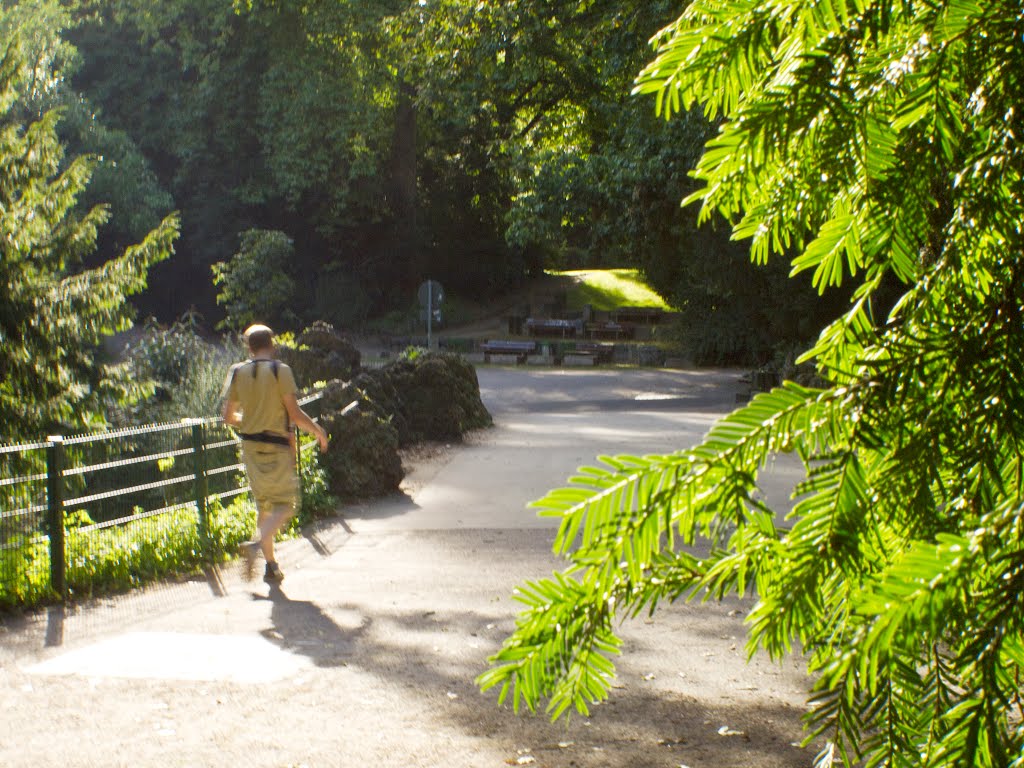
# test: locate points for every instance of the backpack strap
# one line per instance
(273, 368)
(273, 365)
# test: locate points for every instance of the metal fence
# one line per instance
(118, 508)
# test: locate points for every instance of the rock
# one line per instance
(434, 397)
(363, 459)
(321, 354)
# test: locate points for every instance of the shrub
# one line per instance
(317, 499)
(319, 353)
(363, 460)
(188, 371)
(29, 561)
(106, 560)
(255, 285)
(426, 396)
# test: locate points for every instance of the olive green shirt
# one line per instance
(259, 392)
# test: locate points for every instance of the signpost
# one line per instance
(430, 294)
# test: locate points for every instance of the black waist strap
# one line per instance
(265, 437)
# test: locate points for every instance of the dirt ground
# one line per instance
(366, 655)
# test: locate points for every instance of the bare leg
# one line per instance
(269, 526)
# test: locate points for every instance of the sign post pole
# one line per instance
(430, 296)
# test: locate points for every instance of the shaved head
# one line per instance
(259, 338)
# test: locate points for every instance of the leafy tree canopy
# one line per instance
(46, 58)
(54, 312)
(879, 143)
(472, 142)
(255, 285)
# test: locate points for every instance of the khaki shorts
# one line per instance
(272, 475)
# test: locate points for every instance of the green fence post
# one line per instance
(298, 468)
(201, 484)
(55, 503)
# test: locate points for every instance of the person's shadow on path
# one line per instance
(301, 626)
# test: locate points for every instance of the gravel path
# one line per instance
(366, 654)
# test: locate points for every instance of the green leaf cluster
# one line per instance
(255, 284)
(873, 144)
(186, 371)
(55, 310)
(106, 560)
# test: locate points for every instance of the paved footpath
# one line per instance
(366, 654)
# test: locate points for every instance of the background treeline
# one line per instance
(476, 143)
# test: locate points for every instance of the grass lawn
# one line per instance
(607, 289)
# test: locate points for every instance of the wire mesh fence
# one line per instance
(24, 525)
(108, 511)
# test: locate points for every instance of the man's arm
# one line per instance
(301, 419)
(232, 416)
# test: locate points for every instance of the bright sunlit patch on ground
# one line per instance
(655, 396)
(174, 656)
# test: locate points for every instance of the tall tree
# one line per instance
(269, 115)
(181, 80)
(526, 114)
(470, 142)
(880, 142)
(122, 178)
(391, 139)
(54, 312)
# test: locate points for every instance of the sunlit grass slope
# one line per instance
(606, 289)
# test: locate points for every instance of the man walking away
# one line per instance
(259, 400)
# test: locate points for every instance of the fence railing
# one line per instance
(119, 506)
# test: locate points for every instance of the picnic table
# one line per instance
(602, 353)
(511, 347)
(553, 327)
(609, 330)
(645, 315)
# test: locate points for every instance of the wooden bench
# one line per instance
(610, 330)
(517, 349)
(553, 327)
(579, 357)
(602, 352)
(646, 315)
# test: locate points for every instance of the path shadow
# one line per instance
(643, 724)
(395, 505)
(302, 627)
(322, 544)
(54, 626)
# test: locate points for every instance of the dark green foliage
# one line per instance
(186, 369)
(320, 354)
(55, 311)
(874, 145)
(432, 397)
(733, 312)
(123, 179)
(363, 460)
(392, 142)
(440, 398)
(273, 117)
(427, 397)
(339, 298)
